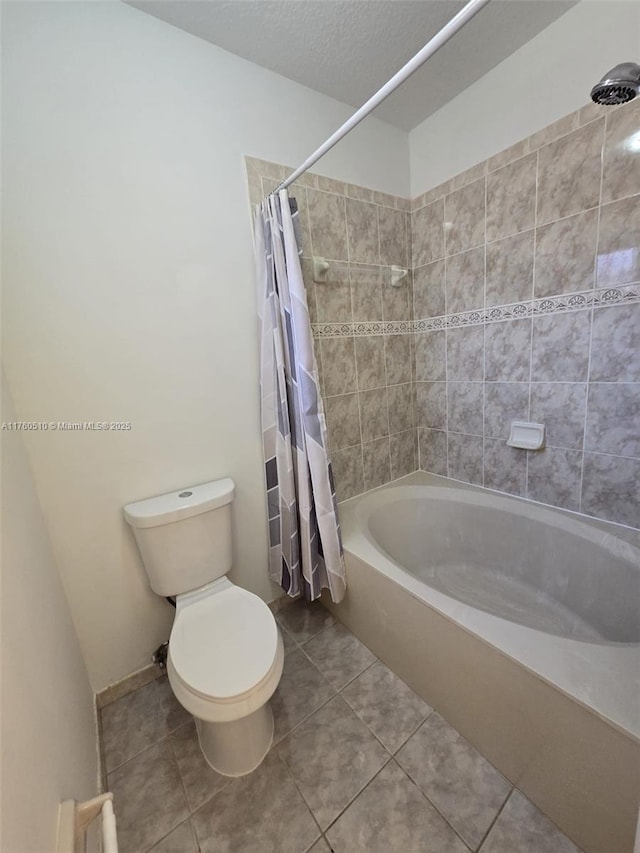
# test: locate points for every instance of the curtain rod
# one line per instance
(456, 23)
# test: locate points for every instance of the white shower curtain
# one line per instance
(305, 548)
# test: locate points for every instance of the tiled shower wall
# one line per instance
(362, 324)
(527, 307)
(522, 303)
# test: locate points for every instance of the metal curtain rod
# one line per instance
(456, 23)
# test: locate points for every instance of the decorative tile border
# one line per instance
(350, 330)
(624, 294)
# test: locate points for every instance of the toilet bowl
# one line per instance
(225, 653)
(224, 663)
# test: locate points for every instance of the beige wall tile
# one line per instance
(621, 175)
(393, 227)
(361, 193)
(402, 447)
(370, 362)
(374, 415)
(559, 128)
(469, 175)
(331, 186)
(397, 353)
(347, 472)
(400, 401)
(619, 243)
(362, 231)
(377, 463)
(427, 234)
(514, 152)
(465, 281)
(511, 198)
(510, 269)
(429, 290)
(343, 421)
(464, 217)
(396, 301)
(565, 254)
(433, 451)
(328, 222)
(569, 172)
(338, 365)
(431, 356)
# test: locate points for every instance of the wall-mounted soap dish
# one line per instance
(397, 275)
(320, 270)
(526, 435)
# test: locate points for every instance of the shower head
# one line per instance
(618, 86)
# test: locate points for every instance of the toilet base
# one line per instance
(237, 747)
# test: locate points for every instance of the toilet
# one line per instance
(225, 652)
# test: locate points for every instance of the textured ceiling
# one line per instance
(348, 48)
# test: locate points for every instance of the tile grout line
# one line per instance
(592, 320)
(446, 340)
(392, 754)
(495, 820)
(166, 835)
(430, 801)
(302, 796)
(384, 358)
(338, 693)
(166, 736)
(533, 291)
(413, 346)
(484, 331)
(355, 354)
(361, 791)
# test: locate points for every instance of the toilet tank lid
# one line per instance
(183, 503)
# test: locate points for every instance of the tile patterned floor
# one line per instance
(359, 763)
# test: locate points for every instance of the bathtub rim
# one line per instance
(558, 661)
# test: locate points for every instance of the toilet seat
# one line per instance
(225, 652)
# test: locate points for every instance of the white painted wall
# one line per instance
(129, 287)
(544, 80)
(49, 750)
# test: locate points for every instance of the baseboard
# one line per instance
(127, 685)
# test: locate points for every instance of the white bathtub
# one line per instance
(545, 603)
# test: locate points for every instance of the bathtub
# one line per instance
(519, 623)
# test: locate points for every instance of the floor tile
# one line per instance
(303, 620)
(139, 720)
(301, 691)
(199, 779)
(259, 813)
(387, 705)
(521, 828)
(462, 784)
(332, 756)
(148, 798)
(339, 655)
(392, 815)
(180, 840)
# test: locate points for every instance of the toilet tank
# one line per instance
(184, 537)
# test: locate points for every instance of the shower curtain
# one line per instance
(305, 547)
